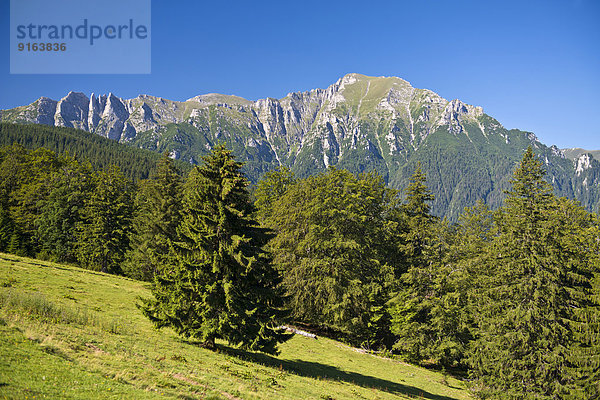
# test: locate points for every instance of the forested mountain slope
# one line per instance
(359, 123)
(135, 163)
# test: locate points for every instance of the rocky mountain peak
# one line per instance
(361, 123)
(72, 111)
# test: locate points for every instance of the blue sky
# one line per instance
(532, 65)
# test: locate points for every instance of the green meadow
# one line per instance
(70, 333)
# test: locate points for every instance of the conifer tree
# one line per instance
(423, 245)
(447, 327)
(584, 353)
(103, 233)
(535, 280)
(418, 234)
(157, 215)
(60, 210)
(221, 283)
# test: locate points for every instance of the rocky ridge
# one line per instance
(360, 123)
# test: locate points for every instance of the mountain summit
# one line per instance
(360, 123)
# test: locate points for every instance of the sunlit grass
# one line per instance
(37, 306)
(66, 332)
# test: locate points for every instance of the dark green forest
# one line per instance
(508, 299)
(101, 152)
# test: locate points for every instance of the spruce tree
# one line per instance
(584, 353)
(422, 246)
(221, 283)
(417, 238)
(103, 232)
(535, 279)
(60, 211)
(157, 215)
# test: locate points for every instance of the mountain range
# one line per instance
(360, 123)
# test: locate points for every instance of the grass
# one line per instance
(68, 333)
(37, 306)
(368, 92)
(576, 152)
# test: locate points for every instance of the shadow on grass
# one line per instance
(323, 371)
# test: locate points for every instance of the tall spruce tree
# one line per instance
(103, 232)
(221, 284)
(535, 279)
(423, 245)
(584, 353)
(156, 217)
(61, 210)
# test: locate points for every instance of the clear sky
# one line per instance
(533, 65)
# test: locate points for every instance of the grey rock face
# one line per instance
(72, 111)
(287, 124)
(114, 116)
(94, 110)
(360, 123)
(46, 109)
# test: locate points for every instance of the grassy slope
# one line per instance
(72, 333)
(576, 152)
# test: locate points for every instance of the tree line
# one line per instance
(101, 152)
(510, 297)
